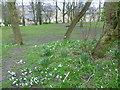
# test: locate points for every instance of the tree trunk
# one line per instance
(81, 23)
(110, 32)
(64, 11)
(15, 23)
(23, 13)
(56, 12)
(76, 20)
(39, 13)
(49, 20)
(33, 10)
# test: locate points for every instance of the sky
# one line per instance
(26, 2)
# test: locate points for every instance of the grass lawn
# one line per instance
(47, 61)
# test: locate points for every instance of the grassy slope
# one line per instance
(53, 60)
(83, 68)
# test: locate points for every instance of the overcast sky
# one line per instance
(26, 2)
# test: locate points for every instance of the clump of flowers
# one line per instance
(25, 79)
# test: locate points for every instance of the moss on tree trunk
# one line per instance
(110, 32)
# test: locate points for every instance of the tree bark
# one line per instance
(76, 19)
(110, 32)
(15, 23)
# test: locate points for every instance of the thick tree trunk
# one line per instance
(76, 19)
(15, 23)
(110, 32)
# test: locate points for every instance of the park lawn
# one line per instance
(50, 32)
(48, 58)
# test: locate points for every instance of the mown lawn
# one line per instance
(51, 32)
(47, 61)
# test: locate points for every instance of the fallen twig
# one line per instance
(66, 76)
(87, 80)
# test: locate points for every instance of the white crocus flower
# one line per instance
(21, 61)
(60, 76)
(26, 84)
(35, 46)
(31, 83)
(51, 86)
(55, 68)
(60, 65)
(25, 72)
(14, 82)
(12, 77)
(24, 79)
(50, 74)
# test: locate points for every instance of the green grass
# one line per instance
(49, 32)
(50, 69)
(49, 63)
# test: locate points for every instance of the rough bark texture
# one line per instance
(76, 20)
(15, 23)
(110, 32)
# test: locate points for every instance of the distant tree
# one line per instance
(48, 10)
(23, 14)
(69, 9)
(111, 31)
(39, 12)
(78, 16)
(15, 22)
(64, 11)
(5, 13)
(33, 6)
(56, 12)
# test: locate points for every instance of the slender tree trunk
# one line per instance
(76, 20)
(23, 13)
(39, 15)
(81, 23)
(110, 32)
(49, 20)
(56, 12)
(64, 11)
(33, 10)
(5, 22)
(15, 23)
(68, 17)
